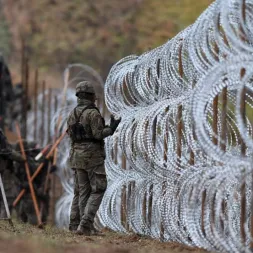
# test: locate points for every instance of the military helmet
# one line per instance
(86, 87)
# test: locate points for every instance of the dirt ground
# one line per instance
(28, 239)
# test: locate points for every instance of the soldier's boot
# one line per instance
(73, 228)
(83, 230)
(95, 232)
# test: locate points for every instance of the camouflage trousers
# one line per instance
(90, 186)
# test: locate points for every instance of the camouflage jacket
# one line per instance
(88, 154)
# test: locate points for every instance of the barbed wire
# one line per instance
(166, 100)
(179, 166)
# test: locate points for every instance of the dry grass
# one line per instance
(26, 238)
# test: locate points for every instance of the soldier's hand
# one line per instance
(114, 123)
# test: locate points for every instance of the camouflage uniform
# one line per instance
(7, 156)
(87, 160)
(26, 211)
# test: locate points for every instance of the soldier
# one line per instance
(87, 130)
(7, 156)
(26, 211)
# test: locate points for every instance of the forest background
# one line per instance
(93, 32)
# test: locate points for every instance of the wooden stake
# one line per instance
(179, 133)
(243, 213)
(223, 137)
(35, 203)
(215, 120)
(243, 35)
(203, 212)
(251, 218)
(25, 85)
(243, 113)
(116, 152)
(2, 96)
(243, 145)
(165, 144)
(63, 101)
(150, 205)
(243, 152)
(123, 206)
(42, 129)
(54, 163)
(144, 210)
(48, 140)
(150, 199)
(55, 110)
(129, 201)
(23, 81)
(35, 104)
(49, 115)
(215, 142)
(26, 94)
(123, 196)
(180, 111)
(224, 119)
(40, 167)
(192, 158)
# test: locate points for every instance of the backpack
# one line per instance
(76, 131)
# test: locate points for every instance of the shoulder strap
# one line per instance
(75, 114)
(93, 107)
(85, 108)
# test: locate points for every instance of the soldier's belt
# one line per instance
(89, 140)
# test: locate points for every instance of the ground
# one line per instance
(28, 239)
